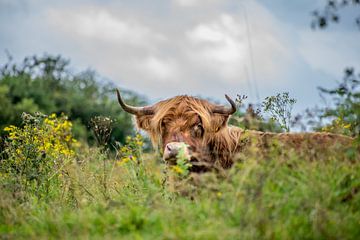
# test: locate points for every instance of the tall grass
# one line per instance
(101, 195)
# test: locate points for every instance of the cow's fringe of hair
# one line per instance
(169, 107)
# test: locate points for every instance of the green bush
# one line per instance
(36, 153)
(46, 84)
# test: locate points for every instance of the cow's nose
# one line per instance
(172, 149)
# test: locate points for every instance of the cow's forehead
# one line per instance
(181, 113)
(182, 110)
(181, 116)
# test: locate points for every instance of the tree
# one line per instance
(47, 85)
(331, 13)
(344, 113)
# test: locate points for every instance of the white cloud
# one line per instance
(221, 39)
(220, 45)
(200, 51)
(223, 45)
(160, 69)
(191, 3)
(165, 48)
(101, 24)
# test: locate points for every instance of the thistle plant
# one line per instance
(102, 128)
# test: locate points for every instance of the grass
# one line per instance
(100, 198)
(52, 187)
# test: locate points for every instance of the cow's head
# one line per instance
(181, 121)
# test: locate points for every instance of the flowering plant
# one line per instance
(36, 153)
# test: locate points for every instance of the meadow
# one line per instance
(87, 176)
(72, 165)
(54, 187)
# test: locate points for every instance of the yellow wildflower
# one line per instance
(177, 169)
(125, 159)
(47, 146)
(133, 158)
(9, 128)
(67, 124)
(68, 138)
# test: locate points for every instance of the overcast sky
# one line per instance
(162, 48)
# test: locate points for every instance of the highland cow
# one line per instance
(203, 128)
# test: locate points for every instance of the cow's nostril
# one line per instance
(168, 147)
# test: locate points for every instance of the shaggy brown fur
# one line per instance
(190, 120)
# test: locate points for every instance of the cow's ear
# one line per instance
(144, 122)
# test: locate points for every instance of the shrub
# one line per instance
(345, 112)
(280, 107)
(35, 154)
(131, 151)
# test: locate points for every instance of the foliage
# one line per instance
(342, 113)
(250, 117)
(50, 189)
(280, 107)
(346, 110)
(102, 128)
(131, 151)
(344, 116)
(282, 197)
(35, 153)
(330, 13)
(182, 164)
(46, 84)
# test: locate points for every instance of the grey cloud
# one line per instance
(165, 48)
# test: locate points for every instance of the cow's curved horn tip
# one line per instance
(118, 92)
(229, 98)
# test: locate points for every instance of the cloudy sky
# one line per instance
(162, 48)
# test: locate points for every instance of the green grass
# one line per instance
(256, 199)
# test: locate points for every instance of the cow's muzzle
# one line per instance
(175, 150)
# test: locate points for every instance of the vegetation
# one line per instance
(331, 13)
(56, 183)
(341, 114)
(47, 85)
(54, 187)
(345, 112)
(250, 117)
(280, 107)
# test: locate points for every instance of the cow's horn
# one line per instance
(133, 110)
(225, 110)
